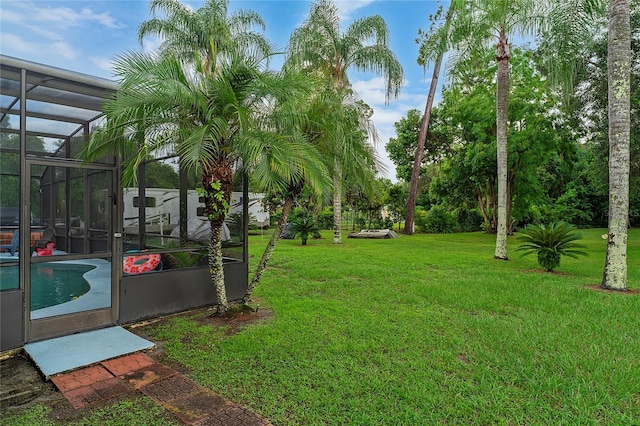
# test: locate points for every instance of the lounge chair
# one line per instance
(14, 243)
(48, 236)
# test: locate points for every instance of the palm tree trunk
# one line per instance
(269, 249)
(619, 70)
(216, 269)
(422, 138)
(217, 181)
(502, 105)
(337, 203)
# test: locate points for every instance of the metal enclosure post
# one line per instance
(24, 261)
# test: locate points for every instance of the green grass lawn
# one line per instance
(427, 329)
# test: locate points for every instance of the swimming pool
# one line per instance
(51, 283)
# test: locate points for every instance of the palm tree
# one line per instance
(619, 76)
(199, 35)
(572, 25)
(433, 47)
(325, 115)
(305, 169)
(218, 93)
(319, 46)
(476, 24)
(212, 120)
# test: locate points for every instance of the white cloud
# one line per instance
(371, 91)
(151, 44)
(105, 64)
(17, 46)
(105, 19)
(347, 7)
(64, 49)
(12, 44)
(58, 16)
(386, 118)
(9, 16)
(44, 33)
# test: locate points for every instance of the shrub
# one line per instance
(468, 220)
(360, 222)
(387, 223)
(550, 243)
(439, 220)
(325, 218)
(420, 217)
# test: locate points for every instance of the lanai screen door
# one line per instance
(72, 287)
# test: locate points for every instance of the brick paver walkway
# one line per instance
(191, 403)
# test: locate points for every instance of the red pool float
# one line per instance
(140, 264)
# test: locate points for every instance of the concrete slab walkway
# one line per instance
(66, 353)
(191, 403)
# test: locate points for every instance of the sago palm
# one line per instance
(304, 226)
(550, 243)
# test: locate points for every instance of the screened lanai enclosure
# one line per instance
(78, 250)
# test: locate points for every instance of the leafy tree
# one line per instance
(619, 69)
(160, 175)
(397, 201)
(320, 47)
(467, 180)
(10, 166)
(376, 200)
(402, 148)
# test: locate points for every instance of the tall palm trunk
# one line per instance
(619, 76)
(502, 107)
(422, 138)
(337, 203)
(271, 246)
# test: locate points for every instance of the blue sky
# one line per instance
(85, 36)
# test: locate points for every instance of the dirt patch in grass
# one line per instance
(239, 317)
(629, 292)
(22, 384)
(542, 271)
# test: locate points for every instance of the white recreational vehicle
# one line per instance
(162, 209)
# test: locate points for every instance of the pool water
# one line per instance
(51, 283)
